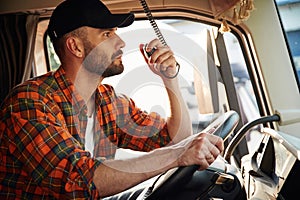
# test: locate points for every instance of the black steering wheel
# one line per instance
(223, 125)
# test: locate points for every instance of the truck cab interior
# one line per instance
(239, 66)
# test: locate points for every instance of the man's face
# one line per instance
(103, 52)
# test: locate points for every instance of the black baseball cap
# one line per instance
(72, 14)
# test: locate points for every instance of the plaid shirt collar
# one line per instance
(74, 97)
(70, 92)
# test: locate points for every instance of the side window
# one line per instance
(44, 56)
(289, 12)
(53, 58)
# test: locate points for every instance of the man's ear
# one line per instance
(75, 46)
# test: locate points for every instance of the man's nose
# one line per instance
(120, 42)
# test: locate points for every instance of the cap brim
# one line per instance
(122, 20)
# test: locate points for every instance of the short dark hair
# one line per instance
(58, 43)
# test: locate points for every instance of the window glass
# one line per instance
(289, 11)
(44, 57)
(53, 58)
(244, 90)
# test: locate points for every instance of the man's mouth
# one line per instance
(117, 55)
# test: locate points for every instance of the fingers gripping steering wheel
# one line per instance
(223, 125)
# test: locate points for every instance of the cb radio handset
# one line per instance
(158, 34)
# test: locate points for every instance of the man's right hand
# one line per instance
(201, 149)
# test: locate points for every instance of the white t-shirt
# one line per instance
(89, 134)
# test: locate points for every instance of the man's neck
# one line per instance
(86, 83)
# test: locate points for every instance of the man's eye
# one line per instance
(107, 34)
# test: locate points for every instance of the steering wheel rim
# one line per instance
(223, 125)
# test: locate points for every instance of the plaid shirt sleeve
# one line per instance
(39, 157)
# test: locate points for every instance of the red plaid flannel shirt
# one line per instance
(42, 132)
